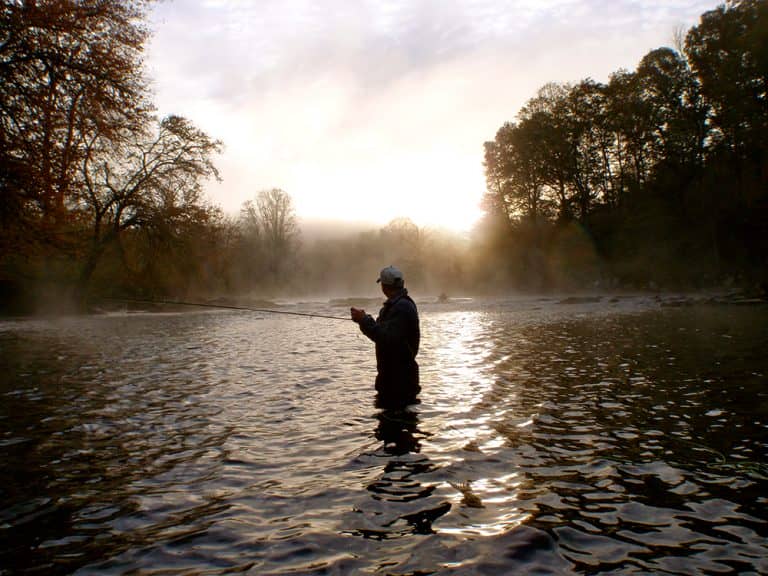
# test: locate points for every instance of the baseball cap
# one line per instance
(390, 276)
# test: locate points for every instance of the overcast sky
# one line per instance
(368, 110)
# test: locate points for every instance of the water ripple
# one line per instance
(608, 437)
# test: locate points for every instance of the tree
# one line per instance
(402, 242)
(679, 144)
(626, 115)
(270, 221)
(674, 108)
(548, 112)
(71, 81)
(586, 133)
(515, 170)
(728, 51)
(153, 184)
(496, 181)
(70, 72)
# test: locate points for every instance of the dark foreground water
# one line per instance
(613, 437)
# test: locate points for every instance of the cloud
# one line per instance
(215, 43)
(361, 109)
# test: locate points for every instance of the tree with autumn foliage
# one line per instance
(153, 183)
(71, 75)
(81, 155)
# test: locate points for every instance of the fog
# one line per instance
(321, 259)
(636, 181)
(346, 262)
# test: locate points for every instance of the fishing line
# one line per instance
(226, 307)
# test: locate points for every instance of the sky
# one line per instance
(368, 110)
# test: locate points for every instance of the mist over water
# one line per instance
(613, 436)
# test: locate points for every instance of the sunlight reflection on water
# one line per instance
(564, 439)
(464, 373)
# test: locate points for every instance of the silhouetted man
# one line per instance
(396, 334)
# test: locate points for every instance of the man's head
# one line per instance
(391, 280)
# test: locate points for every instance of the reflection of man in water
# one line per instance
(398, 431)
(396, 334)
(403, 497)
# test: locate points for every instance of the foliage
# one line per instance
(269, 239)
(152, 185)
(662, 168)
(82, 163)
(728, 50)
(71, 76)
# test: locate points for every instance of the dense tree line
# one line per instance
(657, 176)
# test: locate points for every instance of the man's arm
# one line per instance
(365, 321)
(388, 332)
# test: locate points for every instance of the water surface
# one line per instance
(615, 436)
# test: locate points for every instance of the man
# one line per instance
(396, 334)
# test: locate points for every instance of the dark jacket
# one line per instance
(396, 334)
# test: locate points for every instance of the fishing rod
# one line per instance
(225, 307)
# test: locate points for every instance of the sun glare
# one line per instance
(429, 195)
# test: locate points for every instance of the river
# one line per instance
(613, 435)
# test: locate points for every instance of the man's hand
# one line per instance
(357, 314)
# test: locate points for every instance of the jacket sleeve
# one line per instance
(389, 332)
